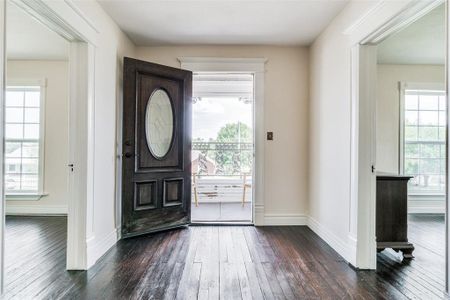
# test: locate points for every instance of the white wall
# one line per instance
(286, 114)
(112, 46)
(388, 110)
(330, 210)
(56, 140)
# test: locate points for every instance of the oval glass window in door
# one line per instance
(159, 123)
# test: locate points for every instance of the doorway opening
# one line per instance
(36, 144)
(400, 148)
(411, 138)
(48, 140)
(222, 147)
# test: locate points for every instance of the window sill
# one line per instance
(24, 197)
(426, 195)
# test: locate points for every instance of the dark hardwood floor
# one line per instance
(227, 262)
(424, 276)
(35, 255)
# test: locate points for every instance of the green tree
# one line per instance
(231, 158)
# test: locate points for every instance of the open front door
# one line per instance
(156, 177)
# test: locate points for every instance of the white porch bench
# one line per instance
(221, 189)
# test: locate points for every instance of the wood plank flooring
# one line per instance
(226, 262)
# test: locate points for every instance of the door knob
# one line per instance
(128, 154)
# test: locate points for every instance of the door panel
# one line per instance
(156, 147)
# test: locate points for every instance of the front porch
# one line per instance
(222, 212)
(222, 198)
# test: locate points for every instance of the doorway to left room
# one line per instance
(36, 158)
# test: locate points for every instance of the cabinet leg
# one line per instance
(407, 253)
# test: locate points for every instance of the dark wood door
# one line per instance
(156, 178)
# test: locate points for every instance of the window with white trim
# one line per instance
(424, 151)
(23, 140)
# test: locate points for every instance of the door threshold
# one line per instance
(221, 223)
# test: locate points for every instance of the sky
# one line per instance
(211, 114)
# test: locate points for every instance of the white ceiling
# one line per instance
(29, 39)
(244, 22)
(423, 42)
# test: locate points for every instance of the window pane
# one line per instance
(411, 133)
(442, 135)
(14, 98)
(31, 131)
(411, 166)
(432, 182)
(13, 131)
(12, 165)
(30, 165)
(411, 117)
(12, 182)
(442, 103)
(429, 166)
(30, 182)
(427, 102)
(14, 115)
(13, 149)
(32, 99)
(413, 182)
(22, 118)
(31, 150)
(428, 118)
(430, 151)
(428, 133)
(411, 150)
(32, 115)
(411, 102)
(442, 118)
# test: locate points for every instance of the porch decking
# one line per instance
(221, 212)
(220, 199)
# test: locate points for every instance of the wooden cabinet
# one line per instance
(392, 214)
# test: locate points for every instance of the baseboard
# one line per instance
(285, 219)
(342, 247)
(97, 247)
(258, 218)
(35, 210)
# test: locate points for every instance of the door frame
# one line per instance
(63, 17)
(255, 66)
(363, 135)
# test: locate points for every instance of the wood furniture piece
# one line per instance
(194, 183)
(245, 186)
(392, 214)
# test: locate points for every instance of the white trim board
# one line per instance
(35, 210)
(222, 64)
(346, 249)
(97, 247)
(285, 219)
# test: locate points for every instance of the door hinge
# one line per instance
(373, 169)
